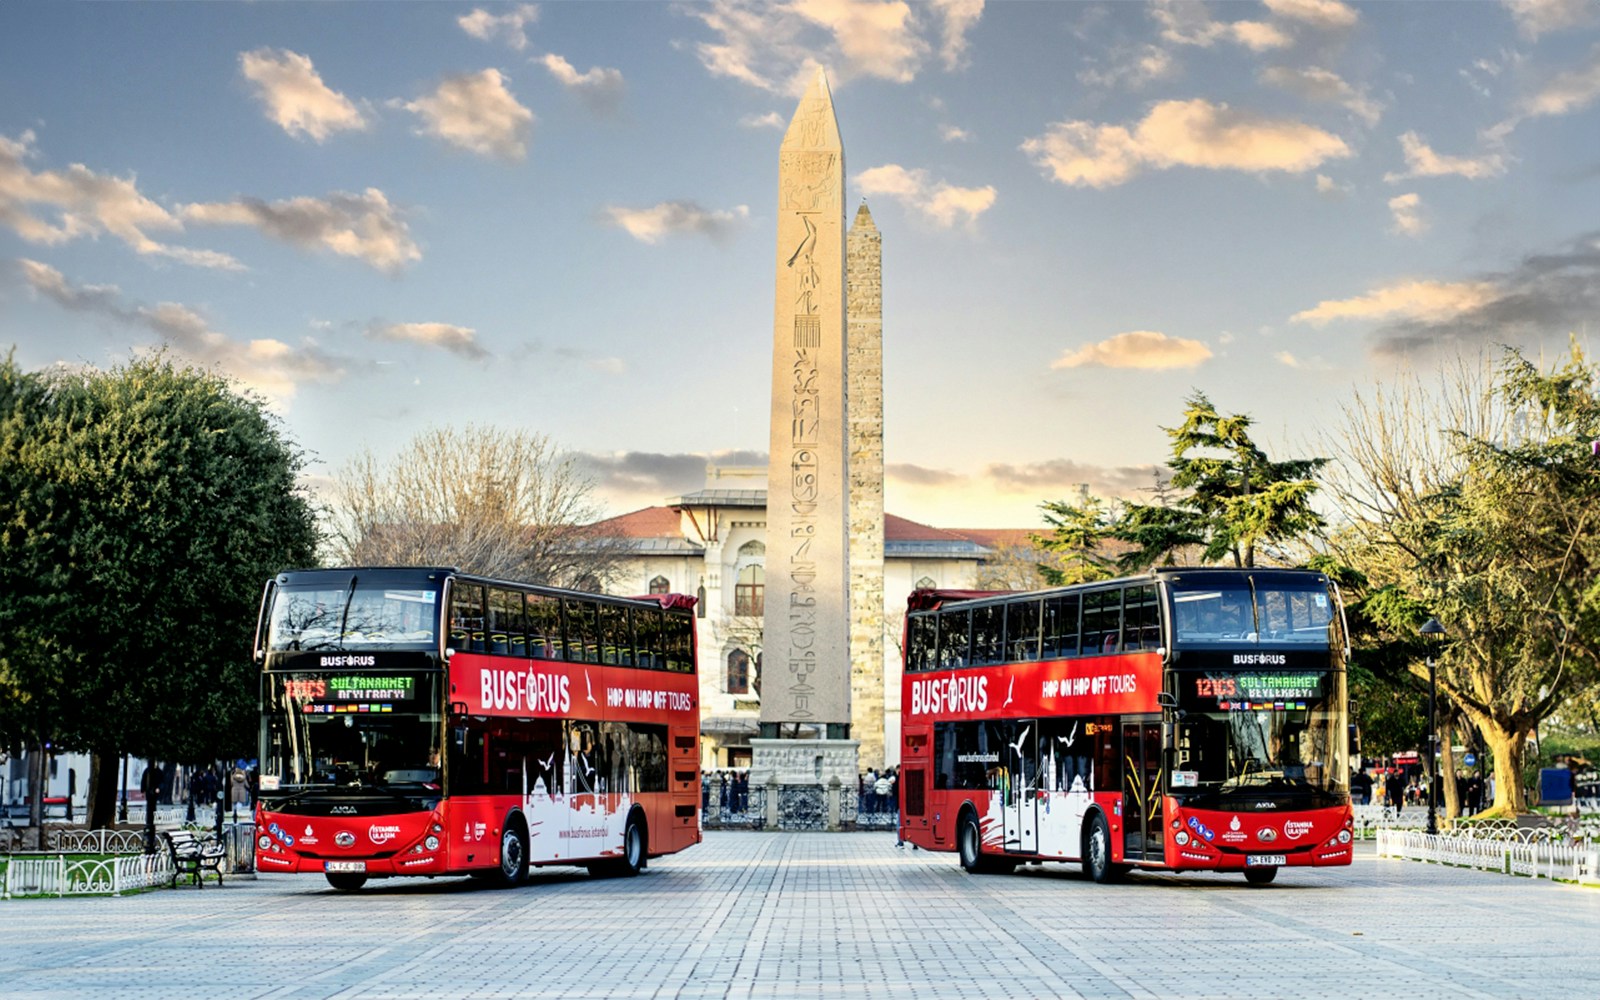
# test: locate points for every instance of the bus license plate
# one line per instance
(1252, 860)
(344, 866)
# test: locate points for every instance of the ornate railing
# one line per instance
(1534, 852)
(81, 875)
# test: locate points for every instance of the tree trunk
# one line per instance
(103, 778)
(1447, 770)
(1509, 799)
(37, 770)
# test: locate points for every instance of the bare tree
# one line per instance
(502, 503)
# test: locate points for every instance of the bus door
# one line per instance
(1143, 837)
(1020, 804)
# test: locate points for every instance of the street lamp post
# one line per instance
(1432, 628)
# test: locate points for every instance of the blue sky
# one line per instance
(390, 217)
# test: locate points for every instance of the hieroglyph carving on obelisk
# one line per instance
(864, 404)
(806, 638)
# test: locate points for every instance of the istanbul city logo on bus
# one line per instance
(950, 694)
(1294, 829)
(532, 690)
(382, 834)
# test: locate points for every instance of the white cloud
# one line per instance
(364, 226)
(476, 112)
(1422, 161)
(769, 120)
(512, 27)
(600, 89)
(1329, 188)
(1131, 68)
(1136, 349)
(952, 133)
(295, 97)
(1193, 133)
(1431, 301)
(461, 340)
(654, 224)
(269, 366)
(1541, 17)
(1328, 15)
(1567, 92)
(777, 46)
(1407, 221)
(1187, 23)
(942, 203)
(1317, 84)
(85, 203)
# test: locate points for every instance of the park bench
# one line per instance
(191, 856)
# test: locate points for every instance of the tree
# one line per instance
(495, 502)
(1477, 505)
(154, 502)
(1077, 539)
(1225, 498)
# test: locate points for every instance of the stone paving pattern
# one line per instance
(772, 915)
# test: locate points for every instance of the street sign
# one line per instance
(1470, 760)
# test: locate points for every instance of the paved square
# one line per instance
(759, 915)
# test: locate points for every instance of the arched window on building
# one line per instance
(659, 585)
(926, 583)
(738, 672)
(749, 595)
(750, 550)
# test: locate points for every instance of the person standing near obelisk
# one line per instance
(806, 633)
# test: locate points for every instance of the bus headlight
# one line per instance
(1182, 837)
(1344, 836)
(432, 843)
(264, 842)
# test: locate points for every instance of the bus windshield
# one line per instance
(1246, 733)
(351, 731)
(1276, 609)
(351, 612)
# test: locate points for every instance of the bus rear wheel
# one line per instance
(634, 853)
(1262, 875)
(969, 843)
(346, 881)
(513, 868)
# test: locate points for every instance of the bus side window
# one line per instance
(649, 638)
(1061, 627)
(988, 635)
(582, 642)
(544, 627)
(680, 642)
(466, 617)
(923, 641)
(1022, 630)
(505, 633)
(955, 638)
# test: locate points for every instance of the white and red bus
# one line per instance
(427, 722)
(1188, 719)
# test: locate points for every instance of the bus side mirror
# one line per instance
(1166, 699)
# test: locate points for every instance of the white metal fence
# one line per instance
(63, 875)
(1533, 853)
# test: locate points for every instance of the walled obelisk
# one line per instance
(864, 405)
(806, 633)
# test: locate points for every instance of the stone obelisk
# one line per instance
(806, 633)
(864, 314)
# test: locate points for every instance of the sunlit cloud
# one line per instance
(1136, 349)
(476, 112)
(1194, 133)
(1317, 84)
(1547, 295)
(1542, 17)
(460, 340)
(1404, 208)
(1329, 188)
(364, 226)
(636, 478)
(1130, 68)
(1328, 15)
(941, 203)
(769, 120)
(600, 89)
(951, 133)
(673, 218)
(295, 97)
(511, 27)
(1422, 161)
(78, 202)
(777, 46)
(271, 367)
(1192, 24)
(1569, 91)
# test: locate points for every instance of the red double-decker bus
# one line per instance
(1188, 719)
(428, 722)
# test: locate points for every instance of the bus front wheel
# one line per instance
(1097, 852)
(635, 853)
(346, 881)
(1262, 875)
(513, 854)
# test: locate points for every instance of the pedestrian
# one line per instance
(239, 788)
(880, 792)
(1394, 789)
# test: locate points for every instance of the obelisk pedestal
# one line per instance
(805, 690)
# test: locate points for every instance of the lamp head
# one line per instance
(1431, 627)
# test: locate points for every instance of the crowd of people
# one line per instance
(1395, 788)
(876, 791)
